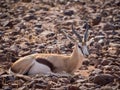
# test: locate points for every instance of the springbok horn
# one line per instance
(68, 36)
(78, 35)
(86, 33)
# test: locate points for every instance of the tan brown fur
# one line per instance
(61, 62)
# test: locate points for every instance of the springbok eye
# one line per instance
(81, 49)
(79, 46)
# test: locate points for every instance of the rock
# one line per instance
(68, 12)
(24, 46)
(1, 82)
(1, 33)
(107, 88)
(106, 62)
(96, 20)
(86, 62)
(96, 71)
(82, 87)
(47, 33)
(23, 88)
(38, 30)
(89, 84)
(112, 50)
(7, 88)
(14, 48)
(73, 87)
(38, 25)
(6, 77)
(62, 1)
(108, 67)
(108, 26)
(42, 86)
(29, 17)
(101, 41)
(26, 1)
(103, 79)
(24, 53)
(8, 23)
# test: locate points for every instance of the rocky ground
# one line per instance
(31, 27)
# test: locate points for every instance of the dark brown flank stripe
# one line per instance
(46, 62)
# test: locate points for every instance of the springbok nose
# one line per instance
(86, 56)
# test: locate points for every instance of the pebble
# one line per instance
(68, 12)
(96, 20)
(96, 71)
(108, 27)
(29, 17)
(103, 79)
(47, 33)
(106, 62)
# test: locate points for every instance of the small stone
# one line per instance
(82, 88)
(103, 79)
(24, 53)
(7, 88)
(106, 88)
(108, 67)
(69, 12)
(106, 62)
(24, 46)
(89, 84)
(108, 27)
(8, 23)
(62, 1)
(14, 48)
(26, 1)
(7, 77)
(97, 71)
(1, 33)
(73, 88)
(81, 80)
(101, 41)
(86, 62)
(38, 30)
(38, 25)
(96, 20)
(29, 17)
(47, 33)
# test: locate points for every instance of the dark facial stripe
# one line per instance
(81, 49)
(46, 62)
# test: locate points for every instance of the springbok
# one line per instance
(54, 63)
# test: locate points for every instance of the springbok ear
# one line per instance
(99, 39)
(90, 41)
(85, 37)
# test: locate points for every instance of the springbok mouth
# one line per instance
(86, 56)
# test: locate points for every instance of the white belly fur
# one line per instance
(38, 68)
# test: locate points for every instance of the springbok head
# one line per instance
(82, 43)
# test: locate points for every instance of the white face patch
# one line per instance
(83, 49)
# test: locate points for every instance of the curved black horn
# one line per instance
(86, 32)
(68, 36)
(78, 35)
